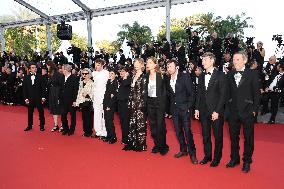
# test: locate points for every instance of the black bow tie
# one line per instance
(32, 74)
(207, 73)
(241, 72)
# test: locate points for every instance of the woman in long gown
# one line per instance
(54, 84)
(137, 109)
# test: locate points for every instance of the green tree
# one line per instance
(79, 41)
(206, 24)
(136, 32)
(107, 46)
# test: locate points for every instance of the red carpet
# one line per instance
(43, 160)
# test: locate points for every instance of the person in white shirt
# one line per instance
(100, 77)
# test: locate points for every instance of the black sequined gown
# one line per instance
(137, 108)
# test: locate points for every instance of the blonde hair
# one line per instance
(141, 61)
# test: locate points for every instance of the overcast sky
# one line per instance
(265, 16)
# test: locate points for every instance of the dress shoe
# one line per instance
(271, 122)
(28, 128)
(42, 129)
(164, 152)
(70, 133)
(127, 148)
(214, 163)
(180, 154)
(112, 140)
(155, 150)
(102, 138)
(246, 168)
(232, 163)
(86, 135)
(55, 128)
(95, 136)
(64, 132)
(105, 139)
(205, 161)
(194, 159)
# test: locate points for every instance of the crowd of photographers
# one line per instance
(14, 68)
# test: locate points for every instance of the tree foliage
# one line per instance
(107, 46)
(79, 41)
(136, 32)
(206, 24)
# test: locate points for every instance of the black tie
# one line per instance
(207, 73)
(241, 72)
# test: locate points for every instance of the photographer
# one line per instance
(193, 46)
(216, 46)
(166, 48)
(259, 54)
(148, 51)
(76, 54)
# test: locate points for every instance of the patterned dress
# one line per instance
(137, 108)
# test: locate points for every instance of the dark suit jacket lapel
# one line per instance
(158, 82)
(177, 81)
(212, 79)
(243, 77)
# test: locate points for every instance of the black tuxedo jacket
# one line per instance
(34, 92)
(111, 89)
(245, 98)
(214, 98)
(124, 89)
(160, 90)
(69, 90)
(183, 97)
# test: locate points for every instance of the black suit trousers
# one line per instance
(109, 117)
(235, 123)
(31, 106)
(274, 96)
(123, 113)
(181, 120)
(157, 124)
(87, 116)
(64, 120)
(217, 126)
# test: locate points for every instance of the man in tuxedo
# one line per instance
(210, 103)
(122, 100)
(244, 97)
(273, 90)
(68, 97)
(34, 92)
(181, 92)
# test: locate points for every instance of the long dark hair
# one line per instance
(52, 67)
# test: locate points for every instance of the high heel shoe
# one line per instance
(55, 128)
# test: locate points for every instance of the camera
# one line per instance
(249, 42)
(130, 43)
(278, 38)
(188, 30)
(91, 50)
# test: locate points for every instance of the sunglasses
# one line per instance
(85, 73)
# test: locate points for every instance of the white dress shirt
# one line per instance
(173, 82)
(152, 88)
(208, 77)
(33, 78)
(238, 76)
(66, 77)
(274, 82)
